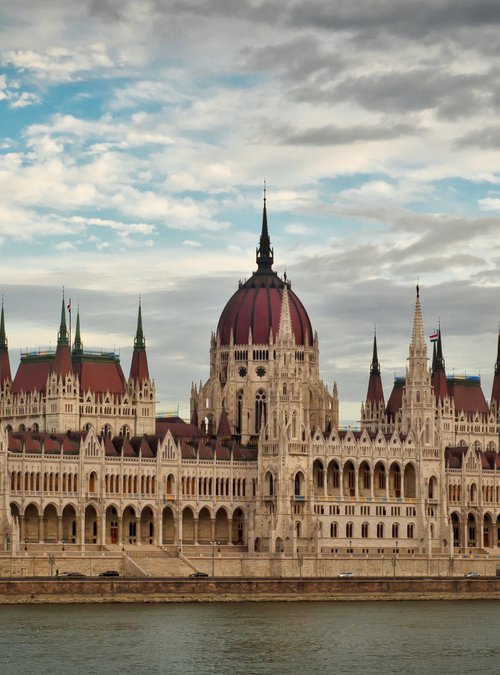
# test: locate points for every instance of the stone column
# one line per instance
(138, 530)
(229, 530)
(158, 531)
(21, 529)
(195, 531)
(212, 527)
(80, 529)
(120, 530)
(40, 529)
(59, 529)
(101, 527)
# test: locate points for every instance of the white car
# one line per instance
(346, 575)
(472, 575)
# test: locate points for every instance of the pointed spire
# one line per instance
(417, 336)
(265, 254)
(375, 366)
(139, 342)
(497, 364)
(62, 362)
(285, 328)
(77, 344)
(439, 381)
(495, 390)
(439, 352)
(63, 335)
(5, 374)
(3, 336)
(139, 367)
(223, 429)
(375, 393)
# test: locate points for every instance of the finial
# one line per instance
(418, 290)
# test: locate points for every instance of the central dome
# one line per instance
(256, 305)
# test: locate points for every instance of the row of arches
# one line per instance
(347, 481)
(210, 487)
(128, 526)
(49, 481)
(470, 531)
(489, 493)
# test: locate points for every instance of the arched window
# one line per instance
(380, 530)
(260, 410)
(364, 530)
(334, 530)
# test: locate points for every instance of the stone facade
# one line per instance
(263, 467)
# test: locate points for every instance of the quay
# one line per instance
(38, 590)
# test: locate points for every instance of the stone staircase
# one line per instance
(157, 563)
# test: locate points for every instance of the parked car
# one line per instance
(346, 575)
(198, 575)
(109, 573)
(71, 575)
(472, 575)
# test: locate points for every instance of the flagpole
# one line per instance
(69, 310)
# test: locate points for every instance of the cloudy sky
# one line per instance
(135, 137)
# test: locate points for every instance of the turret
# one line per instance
(139, 370)
(77, 344)
(62, 361)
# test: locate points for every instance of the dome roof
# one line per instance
(256, 305)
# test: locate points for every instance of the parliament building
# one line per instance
(262, 466)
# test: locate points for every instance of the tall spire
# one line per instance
(417, 336)
(77, 344)
(497, 364)
(139, 342)
(439, 381)
(375, 366)
(63, 335)
(5, 374)
(495, 390)
(285, 329)
(265, 254)
(62, 361)
(3, 336)
(375, 393)
(139, 367)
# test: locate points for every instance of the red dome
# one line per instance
(256, 305)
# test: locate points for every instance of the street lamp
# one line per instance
(214, 544)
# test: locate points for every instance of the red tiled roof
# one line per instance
(396, 398)
(139, 367)
(178, 429)
(375, 393)
(223, 429)
(257, 305)
(440, 384)
(100, 376)
(468, 396)
(62, 360)
(5, 374)
(32, 374)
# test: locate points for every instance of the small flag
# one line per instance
(433, 337)
(68, 306)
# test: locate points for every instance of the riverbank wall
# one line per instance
(125, 590)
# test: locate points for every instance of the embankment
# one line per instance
(92, 590)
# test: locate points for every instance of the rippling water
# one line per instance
(365, 637)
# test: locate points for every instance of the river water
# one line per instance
(315, 637)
